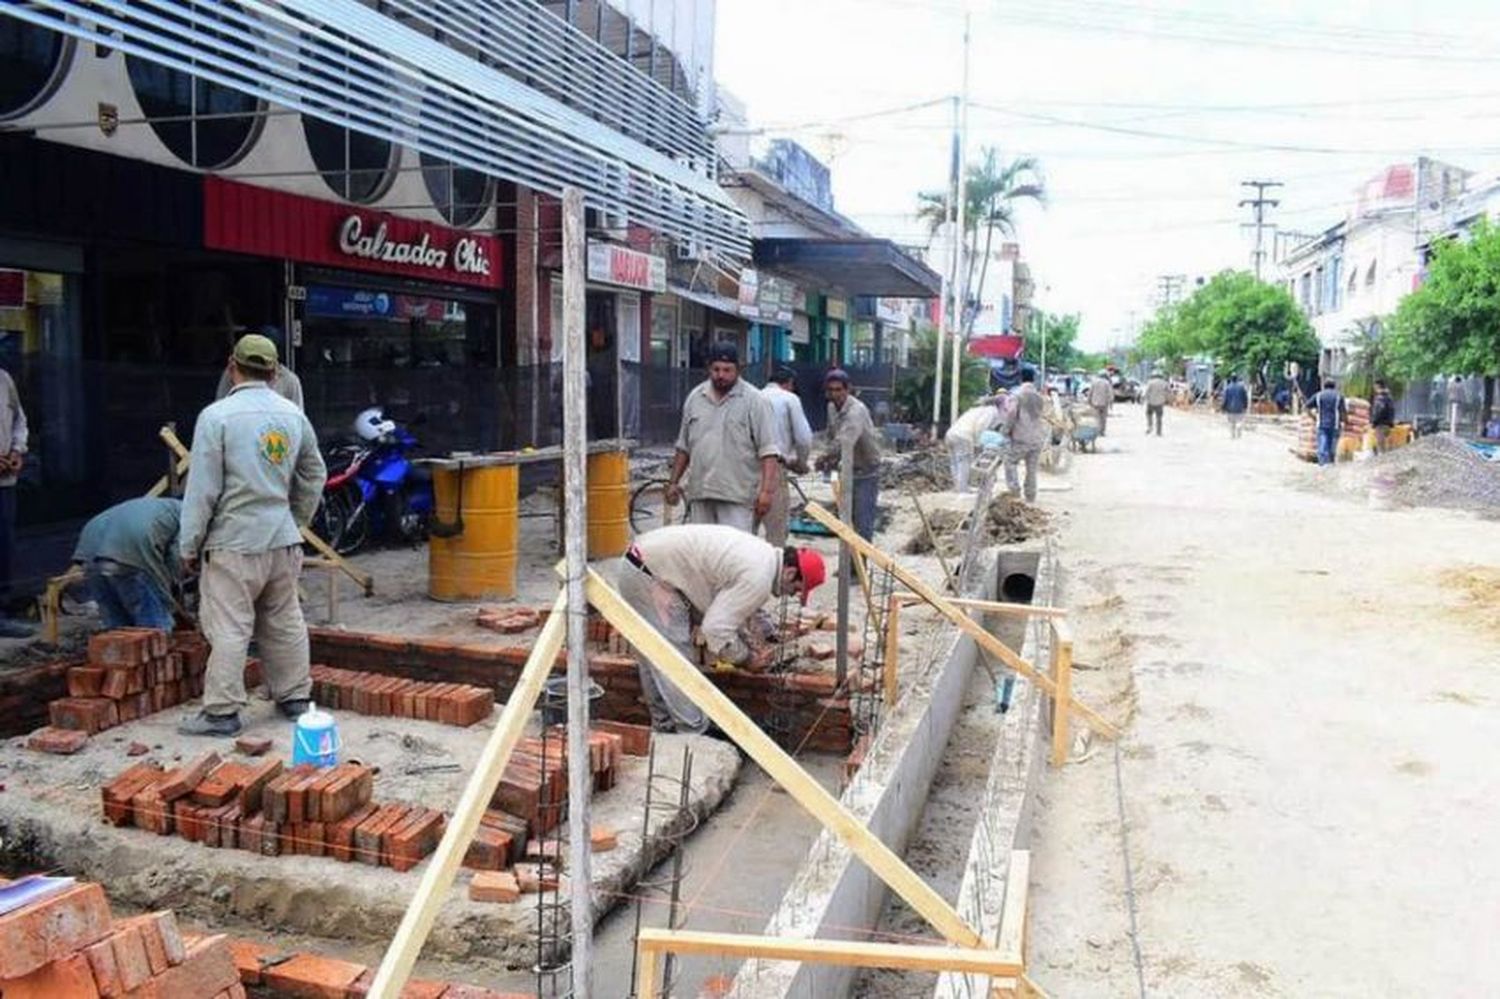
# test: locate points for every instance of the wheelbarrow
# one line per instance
(1083, 437)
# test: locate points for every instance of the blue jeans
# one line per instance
(1328, 445)
(866, 497)
(128, 598)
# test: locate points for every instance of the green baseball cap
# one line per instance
(255, 352)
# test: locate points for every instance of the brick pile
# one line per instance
(69, 946)
(306, 974)
(534, 786)
(390, 696)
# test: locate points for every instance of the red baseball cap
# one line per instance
(810, 566)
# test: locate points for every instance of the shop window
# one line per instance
(460, 194)
(33, 62)
(356, 166)
(663, 330)
(205, 124)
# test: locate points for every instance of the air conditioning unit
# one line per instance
(690, 250)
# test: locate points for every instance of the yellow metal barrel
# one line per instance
(609, 503)
(471, 554)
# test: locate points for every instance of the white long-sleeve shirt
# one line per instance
(974, 421)
(726, 574)
(789, 423)
(13, 430)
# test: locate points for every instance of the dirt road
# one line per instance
(1309, 778)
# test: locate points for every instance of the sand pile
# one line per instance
(1436, 471)
(1008, 521)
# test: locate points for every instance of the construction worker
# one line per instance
(14, 435)
(714, 576)
(794, 442)
(849, 423)
(963, 437)
(128, 555)
(1236, 403)
(1101, 394)
(1329, 409)
(1025, 423)
(726, 448)
(1155, 396)
(255, 477)
(1382, 416)
(286, 383)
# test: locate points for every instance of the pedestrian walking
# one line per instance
(1101, 395)
(255, 478)
(1156, 400)
(1382, 416)
(1236, 404)
(963, 438)
(14, 435)
(849, 423)
(716, 577)
(794, 445)
(1330, 412)
(726, 448)
(128, 555)
(1025, 423)
(286, 383)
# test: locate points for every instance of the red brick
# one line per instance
(85, 681)
(148, 810)
(51, 929)
(247, 957)
(68, 978)
(122, 647)
(354, 787)
(59, 741)
(494, 886)
(221, 785)
(341, 833)
(408, 844)
(146, 927)
(602, 839)
(534, 878)
(252, 746)
(207, 970)
(84, 714)
(170, 935)
(188, 778)
(414, 988)
(367, 836)
(252, 790)
(489, 850)
(309, 976)
(131, 961)
(101, 958)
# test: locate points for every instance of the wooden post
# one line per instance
(1062, 676)
(848, 953)
(396, 966)
(647, 971)
(806, 791)
(846, 511)
(965, 623)
(892, 651)
(575, 482)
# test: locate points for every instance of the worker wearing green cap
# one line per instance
(255, 478)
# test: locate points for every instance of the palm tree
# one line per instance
(990, 199)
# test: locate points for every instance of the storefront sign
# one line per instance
(767, 299)
(836, 308)
(260, 221)
(611, 264)
(359, 303)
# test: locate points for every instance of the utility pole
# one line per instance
(1169, 288)
(961, 292)
(1258, 205)
(950, 277)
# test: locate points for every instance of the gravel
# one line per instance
(1436, 471)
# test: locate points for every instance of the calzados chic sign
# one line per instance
(468, 255)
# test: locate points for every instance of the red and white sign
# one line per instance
(611, 264)
(267, 223)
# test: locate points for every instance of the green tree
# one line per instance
(991, 196)
(1451, 325)
(913, 390)
(1061, 335)
(1369, 352)
(1243, 324)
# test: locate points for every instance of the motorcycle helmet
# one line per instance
(371, 425)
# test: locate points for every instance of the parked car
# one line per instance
(1127, 389)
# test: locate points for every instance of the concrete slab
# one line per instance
(50, 817)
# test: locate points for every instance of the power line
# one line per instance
(1258, 205)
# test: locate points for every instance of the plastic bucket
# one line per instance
(315, 739)
(555, 700)
(478, 561)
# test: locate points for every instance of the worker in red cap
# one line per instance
(716, 577)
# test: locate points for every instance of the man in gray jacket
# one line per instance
(256, 476)
(1156, 400)
(1101, 394)
(1025, 423)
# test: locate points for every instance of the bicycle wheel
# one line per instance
(648, 508)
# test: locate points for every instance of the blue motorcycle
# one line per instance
(375, 492)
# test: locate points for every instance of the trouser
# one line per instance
(1382, 439)
(1328, 445)
(253, 595)
(127, 597)
(776, 520)
(1016, 453)
(704, 511)
(1153, 415)
(866, 504)
(669, 612)
(1236, 424)
(1103, 413)
(7, 540)
(961, 461)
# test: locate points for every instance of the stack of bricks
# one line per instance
(535, 783)
(130, 673)
(305, 974)
(66, 945)
(390, 696)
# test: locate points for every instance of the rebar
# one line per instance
(654, 889)
(554, 928)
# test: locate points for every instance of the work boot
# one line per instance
(294, 708)
(204, 723)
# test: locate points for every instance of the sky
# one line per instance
(1145, 114)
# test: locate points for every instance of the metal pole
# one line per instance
(961, 292)
(846, 562)
(575, 441)
(950, 277)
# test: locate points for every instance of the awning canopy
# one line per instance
(708, 299)
(999, 346)
(856, 266)
(344, 63)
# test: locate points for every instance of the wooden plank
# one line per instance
(395, 967)
(966, 624)
(855, 953)
(647, 971)
(997, 607)
(892, 651)
(782, 768)
(1011, 940)
(1062, 675)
